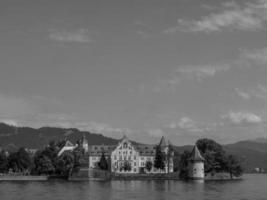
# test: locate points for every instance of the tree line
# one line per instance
(47, 161)
(216, 160)
(43, 162)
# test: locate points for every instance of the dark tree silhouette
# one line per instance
(3, 162)
(43, 164)
(159, 159)
(149, 166)
(216, 159)
(184, 165)
(20, 161)
(103, 163)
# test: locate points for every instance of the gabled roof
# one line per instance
(68, 144)
(162, 142)
(196, 155)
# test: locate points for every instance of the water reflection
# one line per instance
(252, 187)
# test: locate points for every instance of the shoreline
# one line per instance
(114, 177)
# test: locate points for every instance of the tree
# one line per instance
(64, 164)
(176, 161)
(215, 156)
(206, 144)
(78, 154)
(43, 164)
(103, 163)
(3, 162)
(217, 160)
(234, 166)
(159, 159)
(184, 165)
(149, 166)
(20, 161)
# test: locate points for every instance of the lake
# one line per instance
(251, 187)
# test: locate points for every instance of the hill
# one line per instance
(252, 152)
(12, 137)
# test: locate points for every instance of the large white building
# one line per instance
(126, 156)
(129, 157)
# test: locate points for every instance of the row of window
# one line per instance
(125, 152)
(124, 157)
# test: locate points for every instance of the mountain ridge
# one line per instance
(252, 152)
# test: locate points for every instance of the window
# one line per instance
(134, 169)
(129, 158)
(134, 157)
(115, 157)
(120, 157)
(142, 158)
(134, 163)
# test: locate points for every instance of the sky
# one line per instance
(183, 69)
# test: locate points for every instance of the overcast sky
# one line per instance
(185, 69)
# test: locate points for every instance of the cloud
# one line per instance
(260, 92)
(242, 94)
(255, 56)
(242, 118)
(10, 122)
(248, 16)
(189, 72)
(202, 71)
(79, 36)
(189, 125)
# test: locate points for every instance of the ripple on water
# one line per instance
(251, 187)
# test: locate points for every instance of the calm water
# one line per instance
(251, 187)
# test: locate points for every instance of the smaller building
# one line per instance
(196, 165)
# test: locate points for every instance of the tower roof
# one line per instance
(84, 140)
(196, 155)
(162, 142)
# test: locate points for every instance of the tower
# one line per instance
(85, 144)
(196, 165)
(163, 145)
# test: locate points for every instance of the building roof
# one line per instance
(68, 144)
(162, 142)
(97, 150)
(145, 150)
(142, 149)
(196, 155)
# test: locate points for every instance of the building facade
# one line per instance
(125, 157)
(129, 157)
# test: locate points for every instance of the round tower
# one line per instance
(196, 165)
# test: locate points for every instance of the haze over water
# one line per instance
(251, 187)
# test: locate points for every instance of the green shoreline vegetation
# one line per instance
(46, 162)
